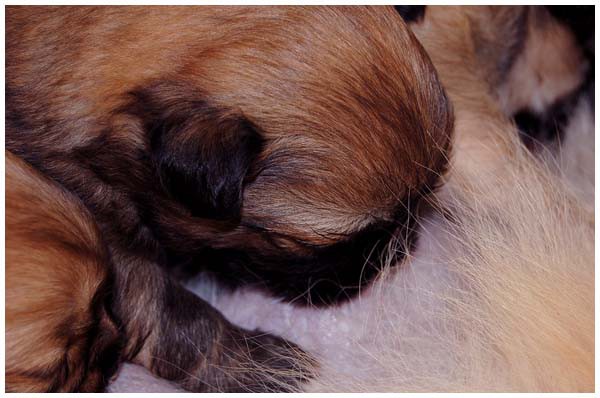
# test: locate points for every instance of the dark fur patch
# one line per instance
(202, 352)
(196, 323)
(411, 13)
(547, 127)
(322, 275)
(162, 165)
(202, 153)
(580, 19)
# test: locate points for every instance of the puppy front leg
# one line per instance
(181, 338)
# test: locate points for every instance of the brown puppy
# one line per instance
(278, 146)
(59, 335)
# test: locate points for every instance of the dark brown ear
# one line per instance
(201, 153)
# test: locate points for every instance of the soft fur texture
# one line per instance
(59, 335)
(276, 147)
(499, 298)
(498, 294)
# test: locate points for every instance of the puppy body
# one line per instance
(59, 335)
(269, 146)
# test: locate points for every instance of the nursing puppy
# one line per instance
(272, 147)
(517, 313)
(498, 294)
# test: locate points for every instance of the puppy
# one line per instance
(59, 333)
(498, 294)
(272, 147)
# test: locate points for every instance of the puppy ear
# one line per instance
(201, 153)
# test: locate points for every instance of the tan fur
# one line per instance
(513, 309)
(56, 266)
(498, 295)
(345, 134)
(516, 313)
(551, 66)
(539, 75)
(248, 141)
(497, 298)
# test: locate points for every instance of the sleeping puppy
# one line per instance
(271, 146)
(498, 294)
(59, 333)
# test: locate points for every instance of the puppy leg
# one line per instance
(181, 338)
(62, 322)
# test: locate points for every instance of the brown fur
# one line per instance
(59, 336)
(279, 147)
(296, 49)
(499, 295)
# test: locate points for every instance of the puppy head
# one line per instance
(298, 145)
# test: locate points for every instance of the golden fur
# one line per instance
(509, 306)
(255, 143)
(58, 332)
(498, 295)
(514, 310)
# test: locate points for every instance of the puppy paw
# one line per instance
(260, 362)
(275, 364)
